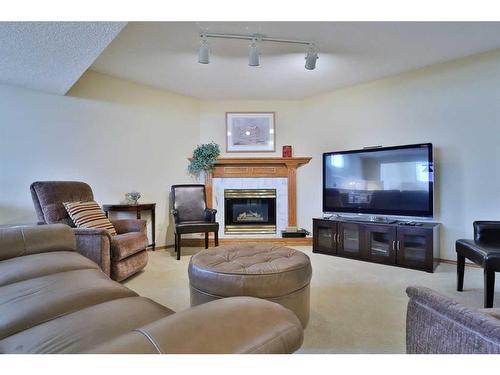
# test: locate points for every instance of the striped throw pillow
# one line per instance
(89, 215)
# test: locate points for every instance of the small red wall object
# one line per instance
(287, 151)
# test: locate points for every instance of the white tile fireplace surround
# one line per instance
(278, 183)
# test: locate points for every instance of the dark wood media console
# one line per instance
(414, 247)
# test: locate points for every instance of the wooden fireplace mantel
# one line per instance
(265, 167)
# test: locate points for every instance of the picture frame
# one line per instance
(250, 132)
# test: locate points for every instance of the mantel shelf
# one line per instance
(264, 160)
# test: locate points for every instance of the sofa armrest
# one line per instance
(487, 231)
(26, 240)
(95, 245)
(436, 324)
(229, 325)
(129, 225)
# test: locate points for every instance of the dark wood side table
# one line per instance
(137, 208)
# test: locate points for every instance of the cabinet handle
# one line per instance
(335, 237)
(394, 245)
(399, 246)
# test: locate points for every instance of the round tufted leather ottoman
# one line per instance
(275, 273)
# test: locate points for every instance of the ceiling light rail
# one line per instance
(259, 37)
(254, 52)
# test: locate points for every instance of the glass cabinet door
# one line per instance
(413, 247)
(349, 243)
(381, 243)
(325, 236)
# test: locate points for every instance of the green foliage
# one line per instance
(204, 157)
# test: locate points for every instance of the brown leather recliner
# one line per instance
(119, 256)
(54, 300)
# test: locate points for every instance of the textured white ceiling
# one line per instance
(164, 55)
(51, 56)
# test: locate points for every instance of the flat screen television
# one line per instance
(380, 181)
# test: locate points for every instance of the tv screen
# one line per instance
(385, 181)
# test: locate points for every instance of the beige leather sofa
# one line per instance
(54, 300)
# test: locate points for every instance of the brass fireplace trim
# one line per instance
(249, 229)
(250, 193)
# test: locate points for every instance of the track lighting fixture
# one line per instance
(311, 57)
(253, 51)
(253, 54)
(204, 51)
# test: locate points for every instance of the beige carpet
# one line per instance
(356, 307)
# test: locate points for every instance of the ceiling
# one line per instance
(164, 55)
(51, 56)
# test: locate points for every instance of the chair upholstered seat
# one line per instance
(484, 255)
(484, 250)
(197, 227)
(127, 244)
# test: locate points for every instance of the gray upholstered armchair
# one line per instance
(118, 256)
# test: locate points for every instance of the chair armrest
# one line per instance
(175, 213)
(436, 324)
(129, 225)
(95, 245)
(229, 325)
(33, 239)
(210, 214)
(487, 231)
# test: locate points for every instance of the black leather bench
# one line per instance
(484, 250)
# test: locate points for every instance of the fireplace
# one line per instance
(249, 211)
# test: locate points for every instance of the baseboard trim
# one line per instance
(199, 242)
(306, 241)
(467, 264)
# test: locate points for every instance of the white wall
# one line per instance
(453, 105)
(120, 136)
(115, 135)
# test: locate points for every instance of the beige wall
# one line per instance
(120, 136)
(115, 135)
(454, 105)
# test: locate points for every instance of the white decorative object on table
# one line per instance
(133, 196)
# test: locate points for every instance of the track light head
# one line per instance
(311, 57)
(253, 54)
(204, 51)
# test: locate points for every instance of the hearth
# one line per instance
(249, 211)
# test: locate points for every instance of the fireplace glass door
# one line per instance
(249, 211)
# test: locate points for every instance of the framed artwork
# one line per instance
(250, 132)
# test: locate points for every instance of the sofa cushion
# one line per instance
(127, 244)
(37, 265)
(25, 240)
(231, 325)
(89, 215)
(31, 302)
(87, 328)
